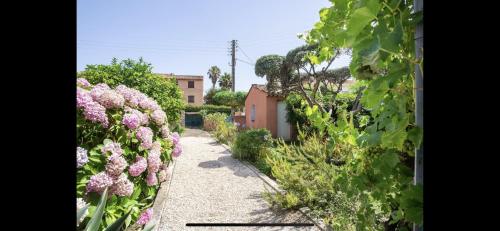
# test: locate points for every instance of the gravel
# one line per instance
(209, 186)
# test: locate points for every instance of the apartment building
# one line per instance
(191, 86)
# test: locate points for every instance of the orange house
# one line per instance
(263, 110)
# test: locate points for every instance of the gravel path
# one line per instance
(209, 186)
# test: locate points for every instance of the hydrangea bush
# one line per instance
(124, 144)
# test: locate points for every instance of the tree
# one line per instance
(209, 95)
(297, 72)
(235, 100)
(225, 81)
(213, 74)
(139, 75)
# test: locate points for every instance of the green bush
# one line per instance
(249, 143)
(139, 75)
(308, 174)
(229, 98)
(209, 108)
(225, 132)
(210, 94)
(211, 121)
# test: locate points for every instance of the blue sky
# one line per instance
(188, 36)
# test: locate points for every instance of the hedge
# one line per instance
(209, 108)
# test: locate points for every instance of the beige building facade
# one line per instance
(191, 86)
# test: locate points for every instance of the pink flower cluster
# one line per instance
(165, 132)
(110, 99)
(115, 166)
(112, 147)
(132, 121)
(135, 98)
(138, 167)
(159, 117)
(177, 147)
(82, 82)
(145, 135)
(122, 186)
(145, 216)
(99, 182)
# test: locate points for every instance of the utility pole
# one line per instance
(419, 99)
(233, 62)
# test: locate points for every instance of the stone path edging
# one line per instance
(274, 185)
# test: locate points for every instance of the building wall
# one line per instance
(197, 91)
(272, 118)
(259, 98)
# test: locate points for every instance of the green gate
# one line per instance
(193, 119)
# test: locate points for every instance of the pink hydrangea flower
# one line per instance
(113, 148)
(145, 135)
(162, 175)
(175, 138)
(151, 179)
(145, 216)
(82, 82)
(132, 121)
(154, 162)
(110, 99)
(82, 97)
(122, 186)
(148, 103)
(159, 117)
(96, 113)
(99, 182)
(165, 132)
(81, 157)
(144, 120)
(97, 90)
(177, 151)
(115, 166)
(138, 167)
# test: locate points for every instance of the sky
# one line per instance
(187, 37)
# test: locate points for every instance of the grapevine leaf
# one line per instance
(412, 203)
(394, 139)
(415, 136)
(360, 18)
(375, 93)
(391, 40)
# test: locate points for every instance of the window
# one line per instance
(252, 113)
(191, 99)
(191, 84)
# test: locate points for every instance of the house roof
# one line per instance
(261, 87)
(171, 75)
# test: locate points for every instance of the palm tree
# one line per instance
(213, 74)
(225, 81)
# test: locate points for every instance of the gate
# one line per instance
(193, 119)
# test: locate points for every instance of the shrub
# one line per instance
(210, 94)
(209, 108)
(211, 121)
(124, 144)
(249, 143)
(225, 132)
(228, 98)
(308, 174)
(139, 75)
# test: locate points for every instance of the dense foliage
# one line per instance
(216, 123)
(369, 181)
(209, 108)
(139, 75)
(213, 74)
(210, 94)
(118, 129)
(249, 143)
(235, 100)
(225, 81)
(211, 121)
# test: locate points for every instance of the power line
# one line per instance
(243, 61)
(245, 53)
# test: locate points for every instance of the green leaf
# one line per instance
(116, 226)
(360, 18)
(96, 219)
(370, 55)
(415, 135)
(390, 40)
(375, 93)
(411, 202)
(394, 139)
(80, 212)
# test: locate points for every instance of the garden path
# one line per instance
(209, 186)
